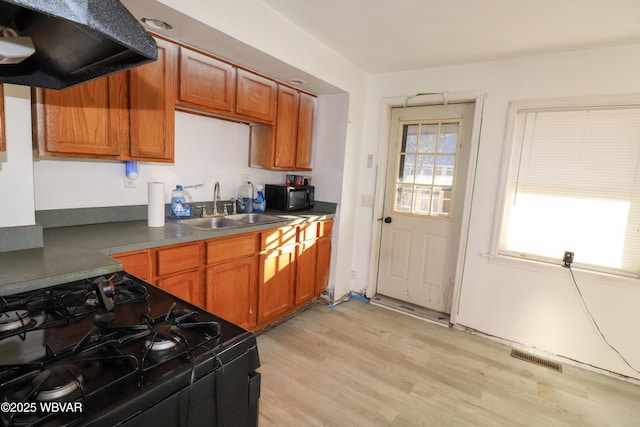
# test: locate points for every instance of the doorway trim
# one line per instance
(378, 208)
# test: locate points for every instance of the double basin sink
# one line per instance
(231, 221)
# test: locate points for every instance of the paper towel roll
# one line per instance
(155, 207)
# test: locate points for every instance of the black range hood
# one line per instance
(75, 41)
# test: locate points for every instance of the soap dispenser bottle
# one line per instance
(180, 203)
(259, 203)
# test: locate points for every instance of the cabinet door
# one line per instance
(323, 264)
(276, 282)
(223, 249)
(256, 96)
(277, 237)
(173, 259)
(231, 291)
(87, 120)
(136, 263)
(286, 128)
(305, 131)
(207, 82)
(152, 101)
(183, 285)
(306, 262)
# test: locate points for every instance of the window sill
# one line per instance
(557, 269)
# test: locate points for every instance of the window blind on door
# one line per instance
(574, 186)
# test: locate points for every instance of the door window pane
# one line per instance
(409, 139)
(422, 201)
(426, 168)
(404, 197)
(444, 170)
(407, 167)
(428, 138)
(448, 138)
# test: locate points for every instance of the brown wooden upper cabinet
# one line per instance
(206, 82)
(87, 120)
(288, 144)
(256, 96)
(152, 89)
(124, 116)
(3, 144)
(130, 115)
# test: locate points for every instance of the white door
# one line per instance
(424, 197)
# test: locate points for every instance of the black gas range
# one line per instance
(114, 350)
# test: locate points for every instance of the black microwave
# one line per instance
(287, 198)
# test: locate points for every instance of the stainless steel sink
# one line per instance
(231, 221)
(254, 218)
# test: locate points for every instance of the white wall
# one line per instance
(16, 168)
(536, 307)
(206, 150)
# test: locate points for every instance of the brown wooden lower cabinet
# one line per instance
(323, 247)
(231, 291)
(306, 263)
(136, 263)
(276, 282)
(183, 285)
(231, 278)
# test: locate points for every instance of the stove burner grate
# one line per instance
(12, 320)
(57, 382)
(165, 337)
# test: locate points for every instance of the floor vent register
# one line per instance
(527, 357)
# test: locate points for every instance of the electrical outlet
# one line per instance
(567, 259)
(245, 177)
(130, 183)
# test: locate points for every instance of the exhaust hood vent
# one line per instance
(74, 40)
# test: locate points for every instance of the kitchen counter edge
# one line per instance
(81, 252)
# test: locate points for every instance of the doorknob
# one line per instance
(388, 220)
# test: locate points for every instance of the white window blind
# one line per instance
(573, 186)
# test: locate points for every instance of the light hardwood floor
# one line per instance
(362, 365)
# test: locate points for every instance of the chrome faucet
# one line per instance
(216, 197)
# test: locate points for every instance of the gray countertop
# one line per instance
(79, 252)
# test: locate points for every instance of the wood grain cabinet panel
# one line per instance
(152, 89)
(306, 262)
(183, 285)
(304, 138)
(136, 263)
(206, 82)
(276, 282)
(288, 145)
(228, 248)
(308, 231)
(231, 291)
(173, 259)
(325, 228)
(277, 237)
(87, 120)
(256, 96)
(286, 129)
(323, 264)
(127, 115)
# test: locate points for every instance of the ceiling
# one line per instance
(381, 36)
